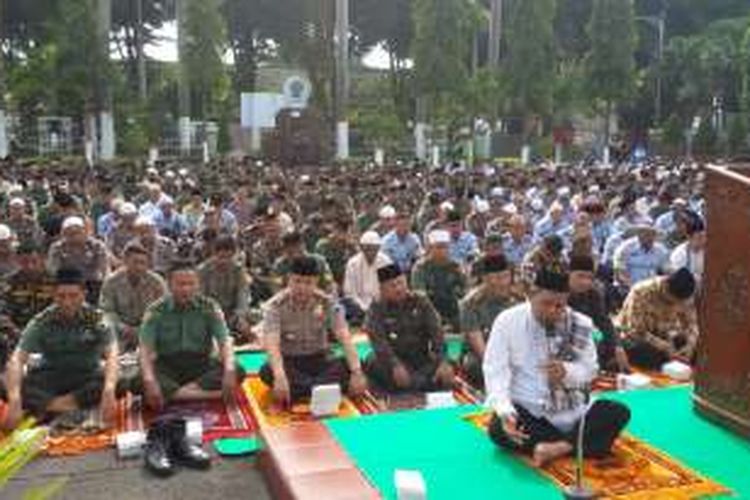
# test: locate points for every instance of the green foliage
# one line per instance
(673, 134)
(530, 66)
(441, 45)
(706, 140)
(610, 63)
(738, 134)
(202, 64)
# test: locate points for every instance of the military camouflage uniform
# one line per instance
(444, 283)
(478, 312)
(125, 302)
(71, 358)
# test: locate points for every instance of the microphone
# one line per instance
(579, 491)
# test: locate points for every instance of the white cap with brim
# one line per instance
(387, 212)
(128, 208)
(6, 233)
(439, 237)
(74, 221)
(17, 202)
(370, 238)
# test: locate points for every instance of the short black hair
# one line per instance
(225, 243)
(134, 248)
(180, 266)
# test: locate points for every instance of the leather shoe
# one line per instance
(184, 452)
(156, 457)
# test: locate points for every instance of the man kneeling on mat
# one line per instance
(296, 322)
(538, 366)
(178, 338)
(407, 338)
(72, 339)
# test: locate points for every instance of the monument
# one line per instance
(722, 378)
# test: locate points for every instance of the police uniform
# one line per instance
(124, 302)
(183, 340)
(478, 311)
(408, 332)
(71, 358)
(444, 283)
(302, 331)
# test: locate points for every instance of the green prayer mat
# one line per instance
(235, 447)
(457, 461)
(251, 362)
(665, 419)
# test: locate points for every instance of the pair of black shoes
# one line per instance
(167, 446)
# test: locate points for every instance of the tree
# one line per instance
(610, 63)
(251, 24)
(205, 44)
(129, 32)
(441, 45)
(706, 139)
(530, 66)
(390, 24)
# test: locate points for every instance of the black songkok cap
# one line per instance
(69, 277)
(582, 263)
(494, 264)
(553, 281)
(305, 266)
(681, 284)
(388, 273)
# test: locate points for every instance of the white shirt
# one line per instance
(361, 279)
(516, 351)
(684, 256)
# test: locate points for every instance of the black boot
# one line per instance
(157, 458)
(182, 451)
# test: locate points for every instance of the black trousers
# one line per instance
(604, 422)
(305, 372)
(644, 355)
(471, 365)
(422, 375)
(40, 386)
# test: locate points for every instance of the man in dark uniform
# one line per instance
(27, 292)
(224, 279)
(72, 339)
(479, 310)
(296, 322)
(178, 338)
(407, 338)
(587, 297)
(440, 278)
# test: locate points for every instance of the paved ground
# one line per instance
(100, 476)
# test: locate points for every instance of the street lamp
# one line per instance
(659, 23)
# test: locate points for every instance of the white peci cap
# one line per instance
(370, 238)
(387, 212)
(73, 221)
(439, 237)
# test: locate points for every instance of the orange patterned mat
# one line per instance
(635, 471)
(268, 414)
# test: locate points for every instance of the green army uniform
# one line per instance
(408, 332)
(336, 254)
(229, 287)
(444, 283)
(478, 311)
(283, 266)
(71, 358)
(183, 341)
